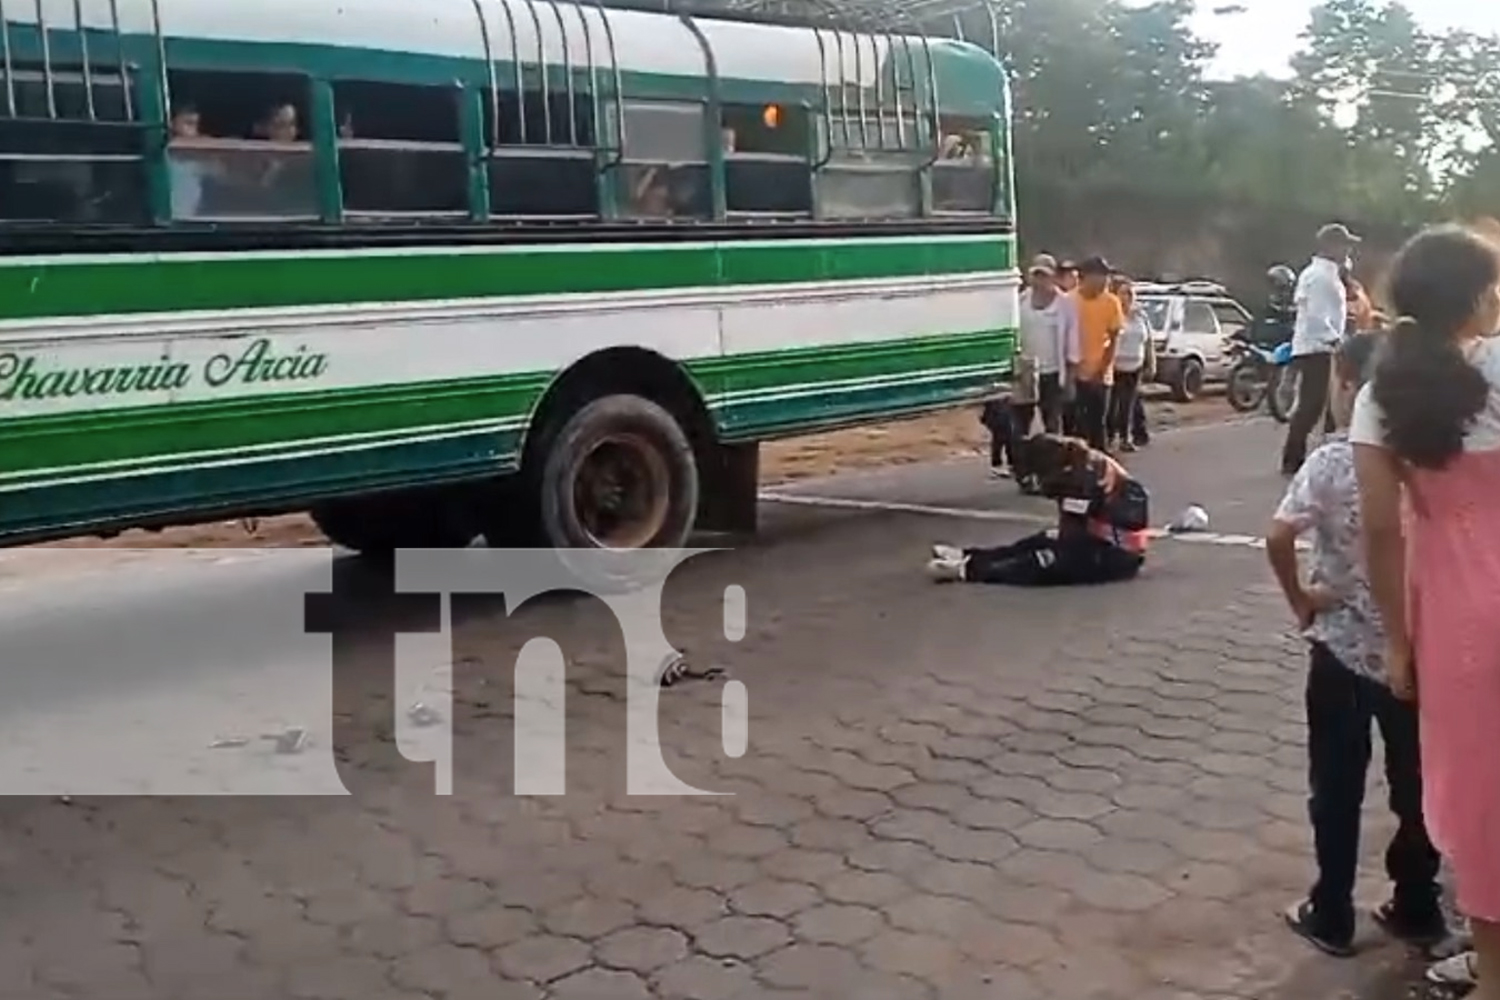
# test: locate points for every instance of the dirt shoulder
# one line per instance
(937, 437)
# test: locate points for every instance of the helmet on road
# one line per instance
(1281, 276)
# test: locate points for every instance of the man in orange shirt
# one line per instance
(1100, 320)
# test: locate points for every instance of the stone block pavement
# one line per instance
(950, 792)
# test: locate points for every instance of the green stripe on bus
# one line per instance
(132, 284)
(148, 433)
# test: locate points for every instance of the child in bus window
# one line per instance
(187, 174)
(279, 124)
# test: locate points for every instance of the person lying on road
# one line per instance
(1101, 534)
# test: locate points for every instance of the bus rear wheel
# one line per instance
(620, 474)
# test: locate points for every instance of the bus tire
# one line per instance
(619, 474)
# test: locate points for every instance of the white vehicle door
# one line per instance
(1164, 315)
(1201, 336)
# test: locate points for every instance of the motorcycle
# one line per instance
(1250, 375)
(1281, 392)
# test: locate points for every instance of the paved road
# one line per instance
(949, 792)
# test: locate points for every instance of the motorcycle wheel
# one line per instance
(1246, 387)
(1281, 396)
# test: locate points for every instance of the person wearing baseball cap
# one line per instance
(1322, 306)
(1047, 354)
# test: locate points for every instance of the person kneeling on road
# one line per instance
(1101, 534)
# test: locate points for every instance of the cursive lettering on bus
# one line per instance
(30, 378)
(23, 378)
(258, 364)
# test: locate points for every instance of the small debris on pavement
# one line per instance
(677, 668)
(229, 743)
(292, 741)
(424, 715)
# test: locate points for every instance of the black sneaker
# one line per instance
(1304, 923)
(1424, 929)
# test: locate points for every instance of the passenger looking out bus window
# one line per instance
(965, 146)
(279, 124)
(189, 176)
(234, 148)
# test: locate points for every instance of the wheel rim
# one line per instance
(1245, 388)
(622, 492)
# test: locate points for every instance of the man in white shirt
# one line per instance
(1049, 349)
(1322, 312)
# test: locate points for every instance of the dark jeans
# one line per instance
(1049, 405)
(1092, 413)
(1042, 561)
(1341, 705)
(1313, 374)
(1122, 402)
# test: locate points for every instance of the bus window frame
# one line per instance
(624, 166)
(911, 164)
(991, 165)
(314, 145)
(804, 159)
(456, 96)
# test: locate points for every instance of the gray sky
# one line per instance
(1262, 39)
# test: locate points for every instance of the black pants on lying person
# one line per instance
(1046, 560)
(1342, 706)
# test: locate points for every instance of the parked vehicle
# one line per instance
(1194, 324)
(1250, 376)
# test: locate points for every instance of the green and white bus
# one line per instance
(537, 271)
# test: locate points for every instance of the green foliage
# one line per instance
(1382, 121)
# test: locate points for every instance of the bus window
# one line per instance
(100, 96)
(400, 153)
(239, 149)
(533, 123)
(665, 173)
(766, 173)
(963, 178)
(536, 169)
(68, 152)
(81, 173)
(867, 186)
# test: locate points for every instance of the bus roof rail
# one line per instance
(876, 16)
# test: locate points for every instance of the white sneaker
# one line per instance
(948, 553)
(1456, 971)
(999, 472)
(946, 570)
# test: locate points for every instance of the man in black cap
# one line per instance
(1322, 312)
